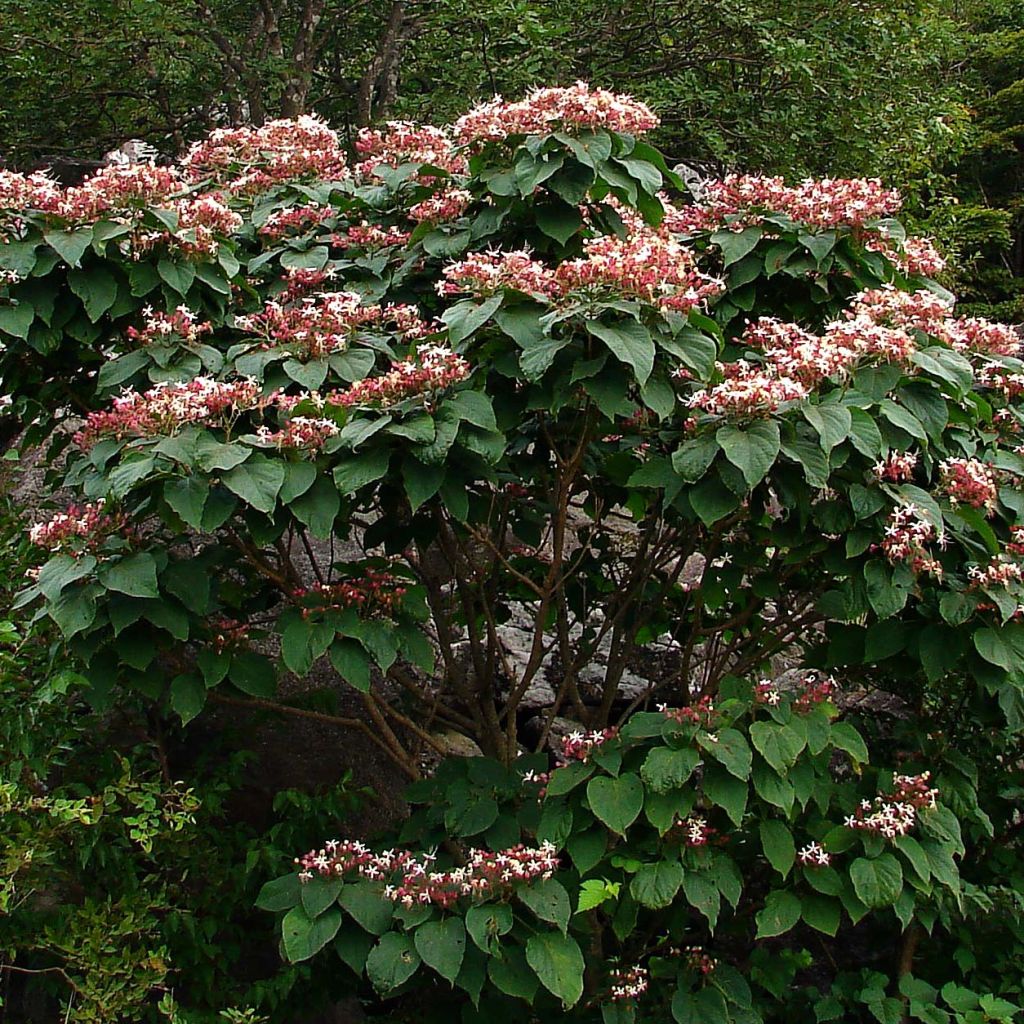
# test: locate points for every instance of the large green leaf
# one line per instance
(617, 802)
(655, 885)
(878, 882)
(304, 936)
(780, 912)
(548, 900)
(630, 342)
(442, 945)
(391, 962)
(257, 482)
(134, 575)
(558, 963)
(752, 449)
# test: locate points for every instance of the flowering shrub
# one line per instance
(523, 380)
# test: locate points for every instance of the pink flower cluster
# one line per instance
(446, 205)
(913, 256)
(302, 433)
(969, 482)
(485, 273)
(700, 961)
(896, 467)
(998, 573)
(747, 392)
(628, 983)
(301, 281)
(701, 713)
(78, 529)
(1001, 378)
(895, 814)
(374, 591)
(370, 236)
(228, 634)
(167, 407)
(115, 190)
(798, 354)
(906, 538)
(294, 220)
(202, 221)
(579, 745)
(547, 110)
(695, 829)
(813, 855)
(402, 142)
(433, 369)
(767, 693)
(325, 323)
(647, 265)
(250, 160)
(921, 310)
(814, 689)
(411, 881)
(180, 327)
(739, 201)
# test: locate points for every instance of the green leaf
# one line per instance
(558, 963)
(559, 221)
(177, 276)
(487, 922)
(864, 434)
(360, 470)
(280, 894)
(252, 673)
(845, 737)
(188, 697)
(779, 848)
(736, 244)
(421, 482)
(727, 792)
(712, 500)
(391, 962)
(352, 663)
(878, 882)
(467, 316)
(730, 748)
(370, 910)
(779, 745)
(617, 802)
(821, 912)
(97, 288)
(134, 576)
(304, 936)
(187, 497)
(832, 422)
(69, 245)
(630, 342)
(17, 319)
(993, 646)
(512, 976)
(692, 460)
(442, 945)
(319, 893)
(318, 507)
(780, 913)
(655, 885)
(752, 450)
(703, 894)
(665, 768)
(810, 456)
(257, 482)
(548, 900)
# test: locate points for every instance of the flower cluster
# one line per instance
(913, 256)
(251, 160)
(695, 830)
(115, 191)
(975, 334)
(294, 220)
(484, 273)
(647, 265)
(748, 391)
(411, 881)
(699, 961)
(77, 529)
(767, 693)
(302, 281)
(814, 689)
(896, 467)
(228, 634)
(628, 983)
(969, 482)
(813, 855)
(325, 323)
(579, 745)
(547, 110)
(433, 369)
(740, 200)
(921, 310)
(401, 142)
(907, 535)
(1001, 378)
(180, 327)
(374, 591)
(370, 236)
(895, 814)
(700, 713)
(305, 433)
(998, 573)
(167, 407)
(448, 204)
